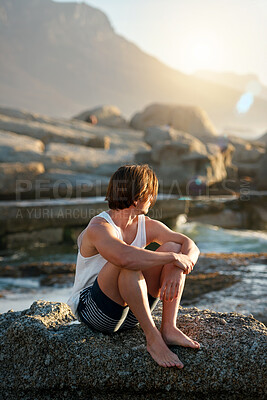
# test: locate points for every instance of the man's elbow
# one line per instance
(124, 260)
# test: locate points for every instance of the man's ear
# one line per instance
(135, 203)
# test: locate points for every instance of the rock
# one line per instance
(156, 136)
(19, 148)
(258, 217)
(57, 183)
(46, 236)
(183, 162)
(13, 174)
(261, 173)
(246, 151)
(54, 358)
(225, 219)
(37, 269)
(106, 116)
(84, 159)
(263, 139)
(48, 133)
(193, 120)
(199, 284)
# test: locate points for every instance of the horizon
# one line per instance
(207, 44)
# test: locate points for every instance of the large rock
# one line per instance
(58, 183)
(106, 116)
(181, 160)
(50, 133)
(19, 148)
(14, 176)
(45, 236)
(246, 151)
(193, 120)
(85, 159)
(53, 358)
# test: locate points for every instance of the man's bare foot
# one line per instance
(173, 336)
(161, 353)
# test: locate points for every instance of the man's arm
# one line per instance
(114, 250)
(160, 233)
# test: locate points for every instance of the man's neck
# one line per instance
(123, 218)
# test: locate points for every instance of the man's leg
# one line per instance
(129, 287)
(155, 277)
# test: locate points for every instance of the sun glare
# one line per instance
(201, 52)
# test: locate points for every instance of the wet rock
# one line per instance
(53, 358)
(57, 280)
(46, 236)
(226, 219)
(198, 284)
(37, 269)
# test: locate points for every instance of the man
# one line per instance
(118, 281)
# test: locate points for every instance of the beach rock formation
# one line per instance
(248, 156)
(106, 115)
(19, 148)
(50, 133)
(53, 357)
(76, 158)
(183, 161)
(13, 174)
(193, 120)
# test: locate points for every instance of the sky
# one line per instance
(190, 35)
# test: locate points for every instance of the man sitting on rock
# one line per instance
(118, 281)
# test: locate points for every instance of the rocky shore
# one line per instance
(44, 355)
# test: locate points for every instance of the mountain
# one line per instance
(62, 58)
(244, 83)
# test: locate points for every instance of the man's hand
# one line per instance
(184, 262)
(173, 278)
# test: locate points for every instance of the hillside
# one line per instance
(244, 83)
(61, 58)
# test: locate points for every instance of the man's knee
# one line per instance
(170, 246)
(130, 274)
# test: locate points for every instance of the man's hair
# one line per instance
(131, 183)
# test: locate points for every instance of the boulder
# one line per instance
(106, 115)
(84, 159)
(48, 133)
(43, 236)
(227, 219)
(181, 160)
(193, 120)
(13, 174)
(246, 151)
(57, 183)
(53, 357)
(19, 148)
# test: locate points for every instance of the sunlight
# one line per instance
(201, 52)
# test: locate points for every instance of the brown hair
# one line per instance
(131, 183)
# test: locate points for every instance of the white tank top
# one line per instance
(88, 268)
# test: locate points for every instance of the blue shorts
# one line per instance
(99, 312)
